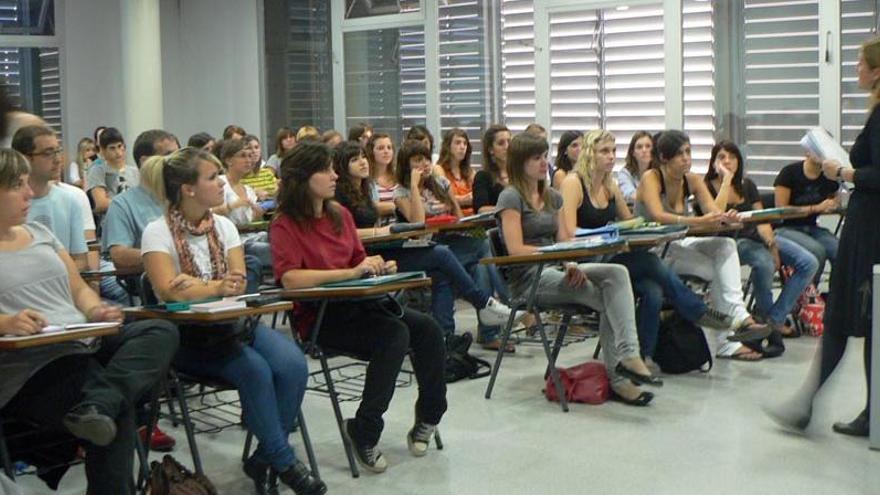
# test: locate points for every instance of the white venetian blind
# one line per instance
(858, 22)
(608, 71)
(781, 76)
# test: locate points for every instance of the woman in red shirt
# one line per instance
(314, 241)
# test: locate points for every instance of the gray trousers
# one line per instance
(607, 291)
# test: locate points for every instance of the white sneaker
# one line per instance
(496, 313)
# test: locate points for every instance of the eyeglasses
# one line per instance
(50, 153)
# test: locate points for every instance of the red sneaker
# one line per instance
(159, 441)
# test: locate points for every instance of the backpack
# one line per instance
(810, 307)
(460, 364)
(681, 346)
(171, 478)
(586, 382)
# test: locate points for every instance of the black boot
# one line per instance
(855, 428)
(300, 479)
(257, 471)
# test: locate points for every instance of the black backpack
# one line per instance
(460, 364)
(681, 346)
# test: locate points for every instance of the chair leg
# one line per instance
(437, 440)
(307, 445)
(505, 338)
(554, 373)
(246, 452)
(171, 412)
(557, 344)
(187, 424)
(334, 400)
(4, 455)
(143, 447)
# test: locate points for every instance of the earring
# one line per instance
(192, 194)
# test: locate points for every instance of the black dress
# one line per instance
(848, 311)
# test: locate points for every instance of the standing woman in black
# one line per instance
(848, 311)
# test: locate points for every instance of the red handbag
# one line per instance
(810, 307)
(586, 383)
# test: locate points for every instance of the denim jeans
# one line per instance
(817, 240)
(254, 273)
(758, 257)
(651, 282)
(270, 375)
(109, 287)
(469, 251)
(448, 277)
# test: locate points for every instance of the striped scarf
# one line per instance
(180, 227)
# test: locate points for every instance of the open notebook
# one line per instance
(49, 329)
(579, 244)
(374, 281)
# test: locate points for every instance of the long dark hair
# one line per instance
(730, 147)
(419, 132)
(631, 164)
(298, 166)
(669, 143)
(445, 160)
(413, 148)
(522, 147)
(563, 162)
(489, 163)
(344, 153)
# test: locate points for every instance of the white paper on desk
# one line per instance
(818, 142)
(77, 326)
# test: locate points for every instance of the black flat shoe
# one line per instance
(88, 423)
(258, 472)
(642, 400)
(300, 479)
(859, 427)
(638, 379)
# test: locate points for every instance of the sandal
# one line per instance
(494, 345)
(743, 354)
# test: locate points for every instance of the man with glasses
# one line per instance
(105, 180)
(52, 206)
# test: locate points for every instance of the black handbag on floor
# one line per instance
(460, 364)
(681, 346)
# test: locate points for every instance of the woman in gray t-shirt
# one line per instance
(529, 214)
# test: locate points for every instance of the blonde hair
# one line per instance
(306, 132)
(870, 51)
(151, 177)
(587, 159)
(168, 173)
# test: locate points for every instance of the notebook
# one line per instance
(608, 232)
(374, 281)
(73, 327)
(225, 304)
(579, 244)
(478, 217)
(766, 212)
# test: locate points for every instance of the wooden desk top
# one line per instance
(94, 246)
(350, 292)
(40, 339)
(95, 275)
(253, 227)
(574, 254)
(460, 226)
(139, 313)
(710, 230)
(792, 212)
(654, 240)
(412, 234)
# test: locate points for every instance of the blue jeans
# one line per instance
(270, 375)
(817, 240)
(469, 251)
(758, 257)
(254, 273)
(652, 281)
(110, 288)
(447, 278)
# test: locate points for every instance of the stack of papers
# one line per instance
(578, 244)
(225, 304)
(818, 142)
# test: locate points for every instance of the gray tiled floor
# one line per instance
(703, 434)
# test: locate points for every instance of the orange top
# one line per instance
(461, 187)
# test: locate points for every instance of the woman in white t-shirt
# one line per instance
(192, 254)
(240, 202)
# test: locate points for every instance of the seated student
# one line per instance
(153, 142)
(421, 133)
(112, 176)
(529, 214)
(240, 200)
(201, 140)
(567, 153)
(233, 131)
(455, 166)
(639, 157)
(361, 132)
(757, 245)
(354, 192)
(663, 197)
(85, 154)
(308, 133)
(380, 155)
(86, 386)
(314, 241)
(427, 195)
(802, 184)
(332, 138)
(191, 254)
(285, 140)
(261, 178)
(492, 178)
(591, 199)
(53, 207)
(537, 130)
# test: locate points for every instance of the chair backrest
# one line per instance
(146, 291)
(496, 243)
(768, 199)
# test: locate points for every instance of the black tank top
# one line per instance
(590, 217)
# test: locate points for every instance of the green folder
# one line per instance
(374, 281)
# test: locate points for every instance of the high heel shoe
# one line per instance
(638, 378)
(642, 400)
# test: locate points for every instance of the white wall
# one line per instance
(211, 55)
(211, 65)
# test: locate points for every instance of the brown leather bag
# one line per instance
(171, 478)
